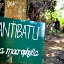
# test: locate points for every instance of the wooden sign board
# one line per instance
(21, 41)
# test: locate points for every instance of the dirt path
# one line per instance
(53, 50)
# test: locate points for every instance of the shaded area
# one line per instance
(2, 5)
(53, 50)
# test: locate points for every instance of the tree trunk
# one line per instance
(15, 9)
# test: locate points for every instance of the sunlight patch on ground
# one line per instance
(56, 48)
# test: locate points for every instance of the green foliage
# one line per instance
(56, 14)
(62, 22)
(50, 12)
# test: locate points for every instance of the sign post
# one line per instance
(21, 41)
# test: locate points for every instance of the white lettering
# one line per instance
(24, 31)
(34, 34)
(13, 24)
(19, 30)
(1, 29)
(2, 51)
(5, 29)
(23, 52)
(29, 30)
